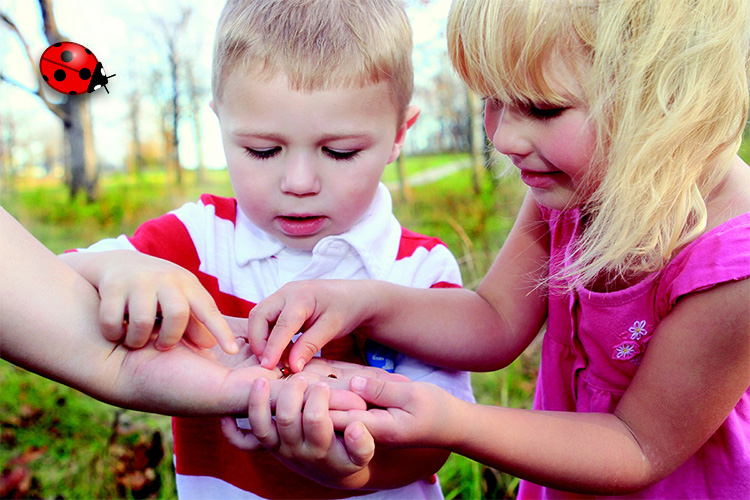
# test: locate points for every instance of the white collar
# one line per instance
(375, 238)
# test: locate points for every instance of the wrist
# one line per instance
(376, 305)
(452, 429)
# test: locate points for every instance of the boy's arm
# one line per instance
(48, 325)
(140, 293)
(454, 328)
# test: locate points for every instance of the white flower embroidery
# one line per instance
(638, 330)
(626, 350)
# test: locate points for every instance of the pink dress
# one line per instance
(594, 343)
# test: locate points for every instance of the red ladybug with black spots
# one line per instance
(70, 68)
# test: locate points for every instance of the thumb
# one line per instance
(359, 443)
(383, 393)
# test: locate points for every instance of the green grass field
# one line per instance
(58, 443)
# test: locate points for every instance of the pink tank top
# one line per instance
(594, 343)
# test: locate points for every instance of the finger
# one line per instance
(258, 321)
(243, 440)
(292, 318)
(383, 393)
(317, 425)
(310, 342)
(175, 313)
(289, 411)
(346, 400)
(112, 315)
(205, 311)
(359, 444)
(199, 334)
(259, 414)
(141, 317)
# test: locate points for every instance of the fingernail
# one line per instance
(358, 430)
(264, 362)
(258, 383)
(300, 365)
(358, 384)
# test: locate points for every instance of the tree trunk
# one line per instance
(79, 139)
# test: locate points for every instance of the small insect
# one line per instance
(70, 68)
(285, 372)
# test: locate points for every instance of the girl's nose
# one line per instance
(301, 177)
(505, 128)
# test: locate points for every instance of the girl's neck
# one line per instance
(731, 197)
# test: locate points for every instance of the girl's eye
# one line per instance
(262, 154)
(545, 112)
(341, 155)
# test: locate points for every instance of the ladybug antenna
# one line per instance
(105, 86)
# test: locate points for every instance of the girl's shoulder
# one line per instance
(720, 255)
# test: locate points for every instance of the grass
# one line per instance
(72, 446)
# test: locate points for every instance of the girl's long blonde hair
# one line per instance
(666, 86)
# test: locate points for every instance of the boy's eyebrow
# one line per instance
(323, 138)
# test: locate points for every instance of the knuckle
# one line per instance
(308, 348)
(177, 311)
(284, 419)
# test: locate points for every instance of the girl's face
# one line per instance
(551, 145)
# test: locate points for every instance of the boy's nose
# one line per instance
(505, 128)
(301, 177)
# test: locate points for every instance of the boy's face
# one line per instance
(305, 165)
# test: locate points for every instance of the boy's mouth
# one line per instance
(300, 225)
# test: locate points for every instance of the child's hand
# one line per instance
(302, 434)
(335, 374)
(141, 295)
(324, 309)
(411, 414)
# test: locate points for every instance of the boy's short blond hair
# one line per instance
(317, 44)
(666, 86)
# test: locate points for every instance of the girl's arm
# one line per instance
(694, 372)
(454, 328)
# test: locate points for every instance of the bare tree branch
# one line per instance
(56, 109)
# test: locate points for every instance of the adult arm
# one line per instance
(48, 325)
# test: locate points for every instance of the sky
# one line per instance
(122, 35)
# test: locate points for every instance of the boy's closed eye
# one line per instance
(262, 153)
(336, 154)
(340, 154)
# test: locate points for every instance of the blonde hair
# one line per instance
(666, 86)
(317, 44)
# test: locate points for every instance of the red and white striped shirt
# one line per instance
(239, 265)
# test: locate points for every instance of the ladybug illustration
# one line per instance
(71, 68)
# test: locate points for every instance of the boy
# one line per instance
(312, 98)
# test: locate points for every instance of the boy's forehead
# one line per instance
(262, 106)
(240, 80)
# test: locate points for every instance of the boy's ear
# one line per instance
(410, 117)
(212, 105)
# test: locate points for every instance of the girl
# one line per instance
(633, 245)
